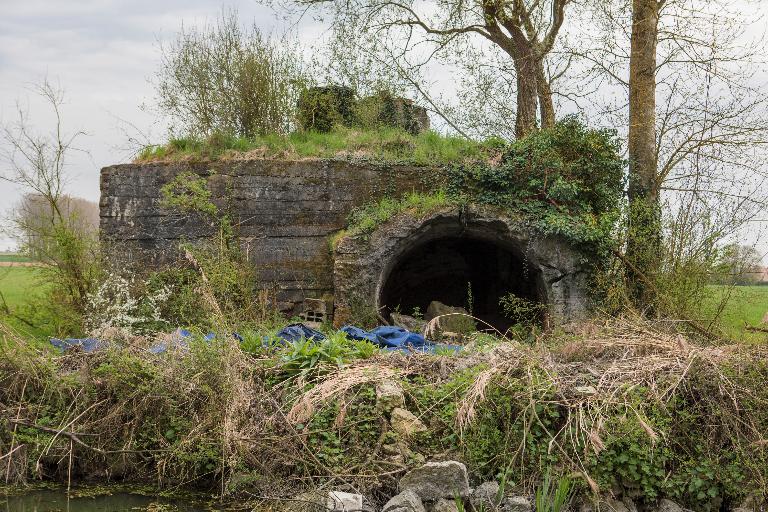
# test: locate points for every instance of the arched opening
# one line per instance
(460, 271)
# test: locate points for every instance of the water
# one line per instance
(58, 501)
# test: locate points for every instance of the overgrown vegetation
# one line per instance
(227, 79)
(566, 181)
(377, 144)
(258, 416)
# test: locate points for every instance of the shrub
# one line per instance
(321, 109)
(227, 79)
(384, 109)
(570, 168)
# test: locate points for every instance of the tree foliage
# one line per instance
(230, 79)
(568, 169)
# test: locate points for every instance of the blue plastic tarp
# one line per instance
(296, 332)
(396, 338)
(385, 337)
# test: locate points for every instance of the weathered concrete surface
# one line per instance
(363, 264)
(284, 210)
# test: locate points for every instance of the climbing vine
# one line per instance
(567, 181)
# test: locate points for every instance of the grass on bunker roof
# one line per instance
(382, 144)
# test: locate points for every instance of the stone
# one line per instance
(452, 319)
(406, 501)
(391, 449)
(435, 480)
(389, 395)
(408, 322)
(666, 505)
(486, 496)
(516, 504)
(444, 505)
(339, 501)
(405, 422)
(606, 505)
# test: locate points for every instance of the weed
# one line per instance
(377, 144)
(555, 498)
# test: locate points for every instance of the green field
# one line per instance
(13, 257)
(18, 285)
(743, 305)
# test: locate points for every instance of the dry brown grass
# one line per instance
(230, 402)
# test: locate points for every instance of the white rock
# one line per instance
(406, 501)
(344, 501)
(443, 505)
(669, 506)
(485, 496)
(516, 504)
(389, 395)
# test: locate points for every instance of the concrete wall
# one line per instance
(285, 212)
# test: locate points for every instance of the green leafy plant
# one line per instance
(521, 310)
(551, 496)
(188, 192)
(309, 357)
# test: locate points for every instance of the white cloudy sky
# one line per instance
(103, 53)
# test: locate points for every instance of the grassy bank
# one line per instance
(383, 144)
(20, 287)
(620, 406)
(736, 307)
(13, 258)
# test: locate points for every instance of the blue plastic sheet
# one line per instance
(296, 332)
(385, 337)
(396, 338)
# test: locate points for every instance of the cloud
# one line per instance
(103, 53)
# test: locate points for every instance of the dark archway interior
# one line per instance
(447, 268)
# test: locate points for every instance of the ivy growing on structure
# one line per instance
(568, 181)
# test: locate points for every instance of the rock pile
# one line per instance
(444, 487)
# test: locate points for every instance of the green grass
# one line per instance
(742, 305)
(13, 257)
(386, 144)
(18, 286)
(366, 219)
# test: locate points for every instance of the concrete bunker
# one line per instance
(287, 211)
(452, 253)
(460, 270)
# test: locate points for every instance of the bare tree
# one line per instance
(229, 79)
(32, 220)
(38, 163)
(699, 153)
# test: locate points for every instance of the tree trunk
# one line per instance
(644, 235)
(546, 106)
(526, 67)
